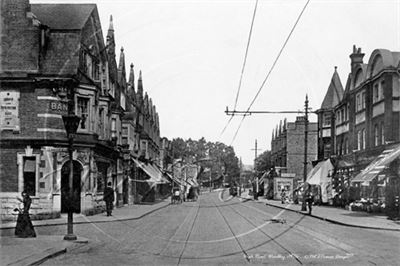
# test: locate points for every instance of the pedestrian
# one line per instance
(24, 227)
(283, 195)
(309, 198)
(109, 198)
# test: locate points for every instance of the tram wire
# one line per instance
(270, 70)
(243, 66)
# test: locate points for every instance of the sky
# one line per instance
(191, 55)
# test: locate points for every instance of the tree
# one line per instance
(222, 159)
(263, 162)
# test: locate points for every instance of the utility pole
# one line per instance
(255, 171)
(303, 205)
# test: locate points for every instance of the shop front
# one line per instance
(378, 184)
(282, 183)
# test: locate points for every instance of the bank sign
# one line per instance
(9, 119)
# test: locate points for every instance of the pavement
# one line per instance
(360, 219)
(34, 251)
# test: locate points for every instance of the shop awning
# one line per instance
(377, 165)
(319, 174)
(156, 176)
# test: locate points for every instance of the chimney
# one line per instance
(356, 57)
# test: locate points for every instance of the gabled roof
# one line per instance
(63, 16)
(334, 94)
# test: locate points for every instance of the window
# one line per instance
(375, 96)
(96, 70)
(360, 101)
(338, 117)
(376, 135)
(89, 65)
(359, 140)
(382, 133)
(363, 139)
(377, 92)
(363, 100)
(346, 146)
(342, 115)
(113, 127)
(327, 119)
(124, 135)
(101, 121)
(83, 112)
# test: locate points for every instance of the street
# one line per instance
(218, 229)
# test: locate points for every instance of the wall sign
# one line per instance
(9, 104)
(58, 106)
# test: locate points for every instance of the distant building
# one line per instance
(287, 148)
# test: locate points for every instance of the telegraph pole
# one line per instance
(255, 171)
(303, 205)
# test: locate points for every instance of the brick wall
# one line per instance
(19, 37)
(9, 170)
(295, 147)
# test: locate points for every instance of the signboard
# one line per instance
(9, 119)
(288, 174)
(58, 106)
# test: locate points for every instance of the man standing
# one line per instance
(109, 198)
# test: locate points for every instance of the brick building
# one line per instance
(365, 124)
(54, 61)
(287, 148)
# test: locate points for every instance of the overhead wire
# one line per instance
(243, 66)
(271, 69)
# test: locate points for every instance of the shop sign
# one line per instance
(58, 106)
(9, 119)
(288, 174)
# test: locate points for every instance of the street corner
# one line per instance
(28, 251)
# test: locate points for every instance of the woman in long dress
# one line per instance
(24, 227)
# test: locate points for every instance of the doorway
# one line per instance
(75, 202)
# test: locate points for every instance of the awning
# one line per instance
(154, 173)
(30, 166)
(377, 165)
(320, 175)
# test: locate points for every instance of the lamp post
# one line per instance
(71, 123)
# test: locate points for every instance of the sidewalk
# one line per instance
(32, 251)
(338, 215)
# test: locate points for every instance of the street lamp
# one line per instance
(71, 124)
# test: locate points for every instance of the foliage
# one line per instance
(263, 162)
(217, 156)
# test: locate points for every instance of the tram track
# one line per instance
(233, 233)
(188, 235)
(325, 238)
